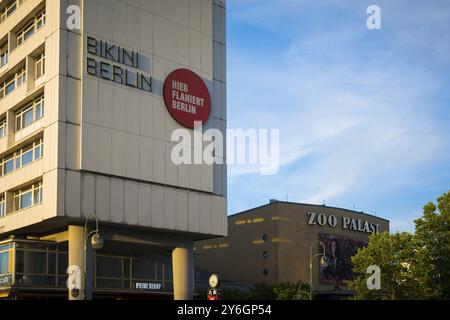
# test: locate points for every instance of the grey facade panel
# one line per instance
(219, 88)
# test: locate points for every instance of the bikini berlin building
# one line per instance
(90, 94)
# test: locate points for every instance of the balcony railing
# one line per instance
(3, 55)
(8, 9)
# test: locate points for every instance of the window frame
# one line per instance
(40, 66)
(36, 149)
(10, 9)
(37, 105)
(19, 78)
(31, 28)
(3, 128)
(2, 206)
(25, 191)
(4, 55)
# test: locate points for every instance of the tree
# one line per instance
(288, 291)
(235, 294)
(262, 291)
(433, 236)
(394, 254)
(413, 266)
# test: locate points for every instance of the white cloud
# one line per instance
(355, 119)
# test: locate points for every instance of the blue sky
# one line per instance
(364, 115)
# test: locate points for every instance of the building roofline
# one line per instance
(305, 204)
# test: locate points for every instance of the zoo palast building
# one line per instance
(271, 244)
(90, 93)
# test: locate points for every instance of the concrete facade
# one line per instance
(107, 145)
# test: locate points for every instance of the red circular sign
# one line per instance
(187, 98)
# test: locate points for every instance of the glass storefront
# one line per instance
(40, 264)
(33, 264)
(5, 265)
(142, 272)
(37, 264)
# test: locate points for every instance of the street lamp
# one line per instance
(96, 243)
(311, 259)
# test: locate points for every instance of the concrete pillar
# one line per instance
(30, 63)
(183, 272)
(11, 127)
(76, 262)
(12, 41)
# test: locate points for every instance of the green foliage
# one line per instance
(394, 254)
(433, 235)
(413, 266)
(262, 291)
(235, 294)
(287, 291)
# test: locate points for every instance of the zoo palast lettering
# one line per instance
(346, 222)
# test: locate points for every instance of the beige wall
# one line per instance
(107, 146)
(46, 169)
(125, 133)
(287, 245)
(238, 257)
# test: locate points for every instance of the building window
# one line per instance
(30, 113)
(2, 206)
(265, 272)
(39, 264)
(265, 237)
(12, 83)
(265, 255)
(21, 77)
(8, 165)
(28, 197)
(37, 194)
(2, 128)
(10, 9)
(4, 260)
(40, 20)
(35, 24)
(38, 150)
(22, 157)
(3, 55)
(131, 272)
(40, 65)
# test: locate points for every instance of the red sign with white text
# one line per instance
(187, 98)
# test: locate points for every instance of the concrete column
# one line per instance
(183, 272)
(11, 127)
(76, 261)
(12, 41)
(31, 72)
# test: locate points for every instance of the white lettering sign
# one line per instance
(346, 223)
(148, 286)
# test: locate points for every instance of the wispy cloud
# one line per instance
(356, 116)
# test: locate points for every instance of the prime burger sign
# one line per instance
(187, 98)
(345, 222)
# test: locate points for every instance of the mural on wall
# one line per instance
(339, 250)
